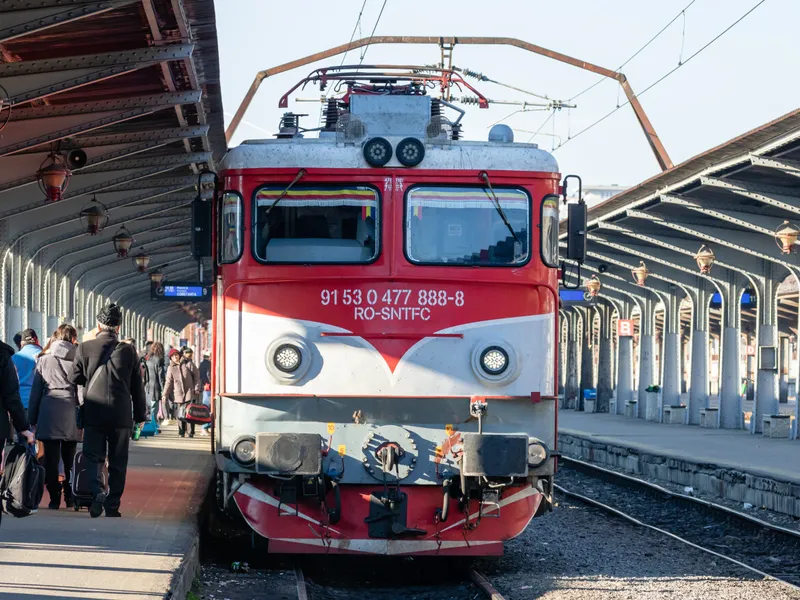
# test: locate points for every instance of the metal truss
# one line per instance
(33, 127)
(23, 17)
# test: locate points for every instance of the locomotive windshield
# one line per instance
(466, 226)
(316, 224)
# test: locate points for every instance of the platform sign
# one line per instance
(625, 328)
(176, 291)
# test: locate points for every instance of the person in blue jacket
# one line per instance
(25, 363)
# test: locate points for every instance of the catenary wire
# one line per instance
(355, 28)
(378, 20)
(665, 75)
(639, 51)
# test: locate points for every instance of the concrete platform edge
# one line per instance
(189, 568)
(724, 481)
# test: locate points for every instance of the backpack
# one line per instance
(22, 486)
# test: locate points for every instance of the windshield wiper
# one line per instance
(485, 176)
(300, 174)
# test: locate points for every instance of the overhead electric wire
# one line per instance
(353, 35)
(378, 20)
(665, 75)
(639, 51)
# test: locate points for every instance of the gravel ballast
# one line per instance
(575, 553)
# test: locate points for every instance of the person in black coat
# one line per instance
(154, 376)
(10, 402)
(52, 411)
(114, 400)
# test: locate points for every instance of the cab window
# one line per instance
(469, 226)
(316, 224)
(231, 228)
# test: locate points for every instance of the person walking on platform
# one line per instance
(52, 411)
(154, 382)
(205, 382)
(10, 402)
(25, 363)
(183, 382)
(114, 399)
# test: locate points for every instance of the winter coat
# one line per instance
(183, 382)
(154, 378)
(53, 396)
(10, 403)
(117, 399)
(205, 372)
(25, 363)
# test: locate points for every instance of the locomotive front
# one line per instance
(385, 316)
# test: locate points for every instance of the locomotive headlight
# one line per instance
(244, 451)
(537, 453)
(287, 358)
(494, 360)
(410, 152)
(377, 151)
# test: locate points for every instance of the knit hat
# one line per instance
(110, 316)
(173, 352)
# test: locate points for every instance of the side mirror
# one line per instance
(202, 210)
(577, 219)
(576, 232)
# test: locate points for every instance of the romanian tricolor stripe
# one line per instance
(365, 197)
(465, 198)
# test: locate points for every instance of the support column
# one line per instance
(14, 323)
(52, 323)
(647, 375)
(783, 397)
(563, 337)
(604, 387)
(587, 360)
(671, 360)
(571, 386)
(624, 362)
(730, 398)
(698, 387)
(767, 378)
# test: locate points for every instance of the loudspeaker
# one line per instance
(76, 159)
(201, 228)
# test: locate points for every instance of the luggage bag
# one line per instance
(81, 482)
(22, 485)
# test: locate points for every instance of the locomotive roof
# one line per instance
(326, 153)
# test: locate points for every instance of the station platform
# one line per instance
(151, 552)
(731, 464)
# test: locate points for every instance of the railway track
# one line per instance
(763, 548)
(479, 581)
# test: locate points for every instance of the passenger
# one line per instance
(205, 369)
(52, 411)
(113, 391)
(205, 382)
(10, 403)
(25, 363)
(154, 383)
(183, 382)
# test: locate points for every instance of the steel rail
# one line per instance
(656, 146)
(616, 512)
(581, 464)
(478, 579)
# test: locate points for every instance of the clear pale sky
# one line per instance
(746, 78)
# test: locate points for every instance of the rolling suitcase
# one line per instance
(80, 481)
(148, 429)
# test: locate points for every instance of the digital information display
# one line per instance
(174, 291)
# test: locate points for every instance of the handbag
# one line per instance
(194, 412)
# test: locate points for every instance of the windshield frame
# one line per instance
(321, 185)
(469, 186)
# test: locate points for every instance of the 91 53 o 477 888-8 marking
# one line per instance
(393, 297)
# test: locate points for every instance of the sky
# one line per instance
(746, 78)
